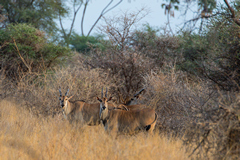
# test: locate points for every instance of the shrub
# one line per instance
(124, 64)
(224, 51)
(161, 48)
(175, 99)
(217, 129)
(213, 54)
(26, 49)
(125, 69)
(42, 96)
(83, 44)
(194, 49)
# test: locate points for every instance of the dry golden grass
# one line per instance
(24, 136)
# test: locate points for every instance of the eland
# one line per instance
(132, 103)
(123, 121)
(133, 100)
(80, 111)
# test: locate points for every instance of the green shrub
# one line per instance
(214, 54)
(161, 48)
(83, 44)
(27, 49)
(194, 50)
(224, 51)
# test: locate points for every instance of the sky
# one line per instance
(156, 17)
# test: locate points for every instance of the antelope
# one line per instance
(132, 104)
(112, 106)
(122, 121)
(80, 110)
(132, 101)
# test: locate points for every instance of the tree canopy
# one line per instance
(39, 13)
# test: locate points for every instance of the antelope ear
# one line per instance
(99, 99)
(109, 99)
(70, 97)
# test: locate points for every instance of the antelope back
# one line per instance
(130, 121)
(135, 107)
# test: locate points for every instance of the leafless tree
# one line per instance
(106, 9)
(119, 28)
(77, 5)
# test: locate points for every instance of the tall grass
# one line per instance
(24, 136)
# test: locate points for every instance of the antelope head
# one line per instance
(133, 100)
(64, 101)
(103, 105)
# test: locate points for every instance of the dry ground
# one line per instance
(24, 136)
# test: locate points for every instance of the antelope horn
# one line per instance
(106, 92)
(139, 92)
(122, 99)
(102, 94)
(126, 108)
(60, 91)
(67, 92)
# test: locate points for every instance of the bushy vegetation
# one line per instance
(25, 49)
(214, 54)
(158, 46)
(191, 80)
(39, 14)
(83, 44)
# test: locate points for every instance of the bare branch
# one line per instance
(64, 33)
(75, 11)
(235, 19)
(197, 18)
(202, 141)
(119, 28)
(74, 16)
(168, 23)
(102, 14)
(83, 16)
(111, 7)
(28, 66)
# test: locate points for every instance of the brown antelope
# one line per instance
(133, 100)
(132, 103)
(122, 121)
(80, 111)
(112, 106)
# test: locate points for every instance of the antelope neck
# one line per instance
(105, 120)
(67, 109)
